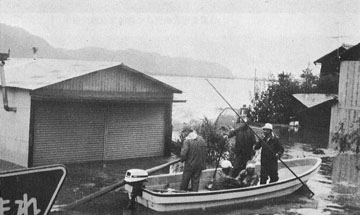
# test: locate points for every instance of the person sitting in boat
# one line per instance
(248, 176)
(223, 179)
(193, 153)
(271, 151)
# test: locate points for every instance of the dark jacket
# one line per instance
(223, 182)
(269, 151)
(244, 140)
(194, 152)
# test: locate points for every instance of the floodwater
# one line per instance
(336, 188)
(336, 185)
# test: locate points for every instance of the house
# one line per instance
(314, 109)
(330, 69)
(66, 111)
(347, 110)
(330, 63)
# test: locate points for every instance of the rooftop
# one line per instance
(352, 54)
(313, 99)
(335, 53)
(30, 74)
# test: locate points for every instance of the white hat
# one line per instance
(250, 165)
(225, 164)
(268, 126)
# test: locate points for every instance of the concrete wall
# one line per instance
(347, 110)
(14, 128)
(345, 171)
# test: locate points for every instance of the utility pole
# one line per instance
(255, 82)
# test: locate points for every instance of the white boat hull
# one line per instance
(174, 201)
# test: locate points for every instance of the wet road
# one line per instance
(334, 192)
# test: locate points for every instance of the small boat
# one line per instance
(160, 192)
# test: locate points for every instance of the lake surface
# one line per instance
(202, 100)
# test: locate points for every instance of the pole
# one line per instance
(210, 185)
(106, 189)
(297, 177)
(255, 82)
(4, 88)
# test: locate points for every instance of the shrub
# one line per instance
(348, 140)
(216, 144)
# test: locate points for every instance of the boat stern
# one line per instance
(134, 183)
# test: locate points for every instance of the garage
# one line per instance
(78, 111)
(68, 132)
(130, 134)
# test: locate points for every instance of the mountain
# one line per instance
(21, 42)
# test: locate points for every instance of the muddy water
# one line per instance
(336, 185)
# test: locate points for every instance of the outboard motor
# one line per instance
(134, 182)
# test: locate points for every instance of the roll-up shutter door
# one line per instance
(68, 132)
(135, 131)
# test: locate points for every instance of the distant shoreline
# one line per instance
(221, 77)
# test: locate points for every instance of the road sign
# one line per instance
(30, 191)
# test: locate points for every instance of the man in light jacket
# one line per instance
(193, 153)
(271, 151)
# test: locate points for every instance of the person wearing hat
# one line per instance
(243, 149)
(193, 153)
(271, 151)
(223, 179)
(248, 177)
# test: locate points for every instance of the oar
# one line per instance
(262, 141)
(106, 189)
(216, 166)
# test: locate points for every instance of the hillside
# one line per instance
(21, 42)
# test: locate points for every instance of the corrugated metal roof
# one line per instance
(313, 99)
(33, 74)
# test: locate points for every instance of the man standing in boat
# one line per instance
(194, 153)
(271, 151)
(243, 149)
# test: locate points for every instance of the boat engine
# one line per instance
(134, 182)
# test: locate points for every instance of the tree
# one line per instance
(310, 81)
(275, 104)
(216, 144)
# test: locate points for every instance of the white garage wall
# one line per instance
(14, 128)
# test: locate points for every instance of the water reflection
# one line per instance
(311, 138)
(346, 181)
(337, 183)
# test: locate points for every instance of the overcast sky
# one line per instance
(270, 36)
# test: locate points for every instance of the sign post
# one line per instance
(30, 191)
